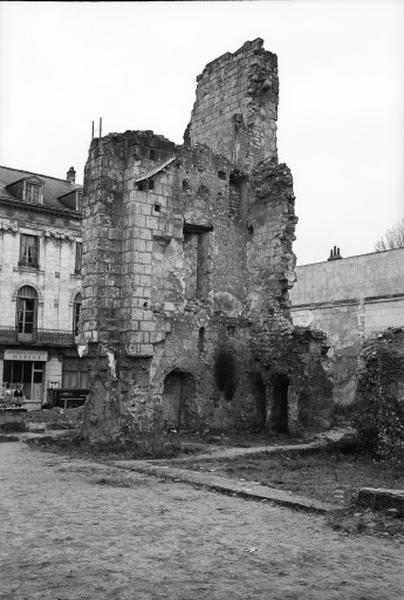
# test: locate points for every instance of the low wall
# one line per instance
(351, 300)
(13, 416)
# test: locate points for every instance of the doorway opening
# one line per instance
(178, 397)
(279, 413)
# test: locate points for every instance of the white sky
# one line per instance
(341, 115)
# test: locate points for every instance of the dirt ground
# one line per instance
(72, 529)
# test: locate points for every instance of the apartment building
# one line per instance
(40, 283)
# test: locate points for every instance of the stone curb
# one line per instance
(225, 485)
(218, 452)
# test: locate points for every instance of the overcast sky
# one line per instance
(341, 115)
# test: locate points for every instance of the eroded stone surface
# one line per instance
(187, 264)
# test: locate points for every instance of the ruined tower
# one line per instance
(236, 106)
(187, 261)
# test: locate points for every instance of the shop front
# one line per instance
(26, 368)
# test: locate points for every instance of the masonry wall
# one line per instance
(55, 280)
(236, 106)
(187, 262)
(352, 300)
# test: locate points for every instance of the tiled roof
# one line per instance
(53, 188)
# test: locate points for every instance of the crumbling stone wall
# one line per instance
(379, 397)
(188, 260)
(236, 106)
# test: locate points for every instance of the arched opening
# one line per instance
(26, 316)
(76, 313)
(259, 392)
(279, 412)
(178, 397)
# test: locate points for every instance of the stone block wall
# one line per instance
(236, 106)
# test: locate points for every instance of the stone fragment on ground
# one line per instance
(381, 499)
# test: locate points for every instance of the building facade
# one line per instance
(40, 283)
(187, 262)
(352, 300)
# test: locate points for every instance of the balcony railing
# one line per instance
(39, 337)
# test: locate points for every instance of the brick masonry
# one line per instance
(187, 262)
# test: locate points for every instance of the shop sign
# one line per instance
(36, 355)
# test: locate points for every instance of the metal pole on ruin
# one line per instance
(100, 128)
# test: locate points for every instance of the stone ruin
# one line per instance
(187, 262)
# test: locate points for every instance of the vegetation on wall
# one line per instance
(379, 404)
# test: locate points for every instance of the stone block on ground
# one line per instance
(381, 499)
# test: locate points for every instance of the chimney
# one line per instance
(71, 175)
(334, 254)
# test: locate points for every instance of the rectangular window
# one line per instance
(75, 374)
(196, 252)
(33, 193)
(79, 200)
(29, 251)
(77, 264)
(26, 315)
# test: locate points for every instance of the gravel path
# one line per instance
(71, 529)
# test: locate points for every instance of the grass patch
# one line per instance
(352, 521)
(56, 418)
(322, 474)
(8, 438)
(121, 482)
(71, 444)
(13, 427)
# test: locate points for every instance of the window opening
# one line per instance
(27, 304)
(78, 257)
(33, 193)
(201, 340)
(75, 373)
(29, 251)
(196, 255)
(76, 313)
(79, 201)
